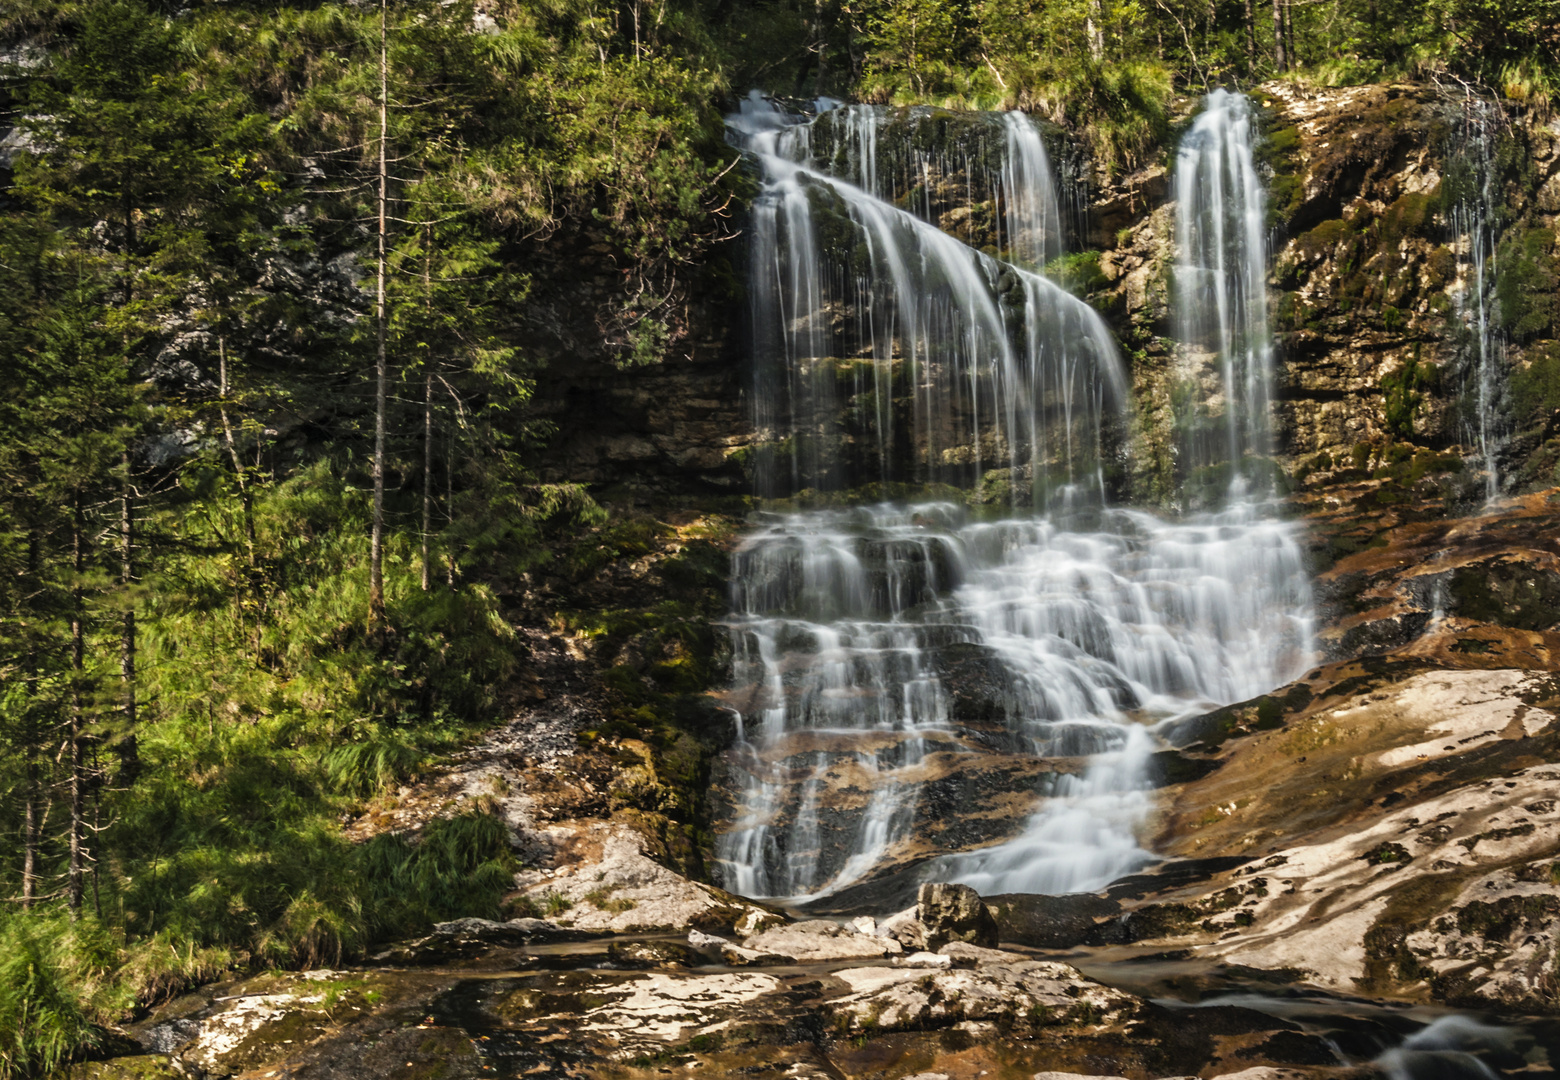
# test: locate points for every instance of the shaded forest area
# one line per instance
(265, 273)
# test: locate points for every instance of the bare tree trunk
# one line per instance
(822, 44)
(129, 748)
(1251, 35)
(449, 507)
(30, 738)
(232, 448)
(1289, 33)
(78, 657)
(376, 556)
(1280, 60)
(427, 500)
(427, 506)
(1091, 26)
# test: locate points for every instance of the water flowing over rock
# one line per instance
(887, 350)
(1221, 280)
(1473, 224)
(884, 657)
(854, 634)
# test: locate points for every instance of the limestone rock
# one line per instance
(738, 956)
(625, 892)
(700, 940)
(653, 954)
(963, 954)
(904, 928)
(1025, 994)
(817, 940)
(951, 912)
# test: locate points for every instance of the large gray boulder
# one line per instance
(951, 912)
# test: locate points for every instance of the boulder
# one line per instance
(904, 928)
(1050, 922)
(951, 912)
(1024, 995)
(653, 954)
(625, 891)
(817, 940)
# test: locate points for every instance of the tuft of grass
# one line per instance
(54, 990)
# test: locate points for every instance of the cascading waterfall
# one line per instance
(886, 349)
(843, 628)
(855, 631)
(1221, 282)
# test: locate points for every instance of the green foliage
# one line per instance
(460, 866)
(50, 993)
(1078, 273)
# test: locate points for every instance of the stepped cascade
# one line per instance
(1221, 286)
(859, 633)
(852, 627)
(887, 350)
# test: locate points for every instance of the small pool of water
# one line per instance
(1407, 1041)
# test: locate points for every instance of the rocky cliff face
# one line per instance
(1375, 196)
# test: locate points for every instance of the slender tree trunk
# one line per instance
(97, 829)
(127, 207)
(1289, 33)
(30, 751)
(129, 748)
(1280, 60)
(821, 38)
(427, 506)
(1251, 35)
(1095, 34)
(427, 501)
(78, 657)
(376, 568)
(449, 507)
(232, 447)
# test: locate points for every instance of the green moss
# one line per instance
(1527, 282)
(1325, 239)
(1402, 396)
(1442, 266)
(1406, 217)
(1078, 273)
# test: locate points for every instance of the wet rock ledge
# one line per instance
(810, 999)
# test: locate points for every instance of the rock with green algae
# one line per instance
(133, 1067)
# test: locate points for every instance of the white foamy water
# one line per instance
(842, 624)
(886, 349)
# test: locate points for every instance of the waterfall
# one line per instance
(1221, 283)
(885, 349)
(880, 649)
(1473, 224)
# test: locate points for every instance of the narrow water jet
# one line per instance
(1473, 227)
(1221, 291)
